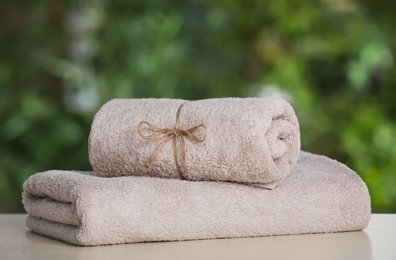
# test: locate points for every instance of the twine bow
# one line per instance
(170, 134)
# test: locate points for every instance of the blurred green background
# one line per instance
(332, 59)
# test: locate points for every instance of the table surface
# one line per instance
(378, 241)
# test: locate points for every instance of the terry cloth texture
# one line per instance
(248, 140)
(321, 195)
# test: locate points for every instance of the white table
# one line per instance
(378, 241)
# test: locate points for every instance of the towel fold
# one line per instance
(321, 195)
(251, 140)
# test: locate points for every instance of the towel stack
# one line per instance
(166, 169)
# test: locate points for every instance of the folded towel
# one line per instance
(321, 195)
(251, 140)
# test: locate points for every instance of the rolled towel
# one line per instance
(321, 195)
(251, 140)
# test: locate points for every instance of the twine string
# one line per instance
(169, 134)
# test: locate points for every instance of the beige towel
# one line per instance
(251, 140)
(321, 195)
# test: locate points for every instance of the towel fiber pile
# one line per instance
(169, 170)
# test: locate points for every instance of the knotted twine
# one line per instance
(170, 134)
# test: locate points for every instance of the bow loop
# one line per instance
(191, 133)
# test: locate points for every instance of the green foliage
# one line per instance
(333, 59)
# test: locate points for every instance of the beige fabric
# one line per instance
(321, 195)
(251, 140)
